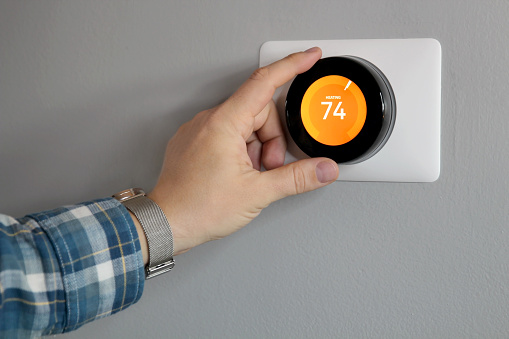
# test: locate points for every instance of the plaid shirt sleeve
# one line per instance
(63, 268)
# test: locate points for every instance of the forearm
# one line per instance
(63, 268)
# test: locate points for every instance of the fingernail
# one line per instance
(311, 50)
(325, 172)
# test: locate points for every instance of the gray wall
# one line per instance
(90, 92)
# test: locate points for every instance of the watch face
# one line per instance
(333, 110)
(342, 108)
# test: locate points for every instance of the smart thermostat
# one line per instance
(372, 105)
(342, 108)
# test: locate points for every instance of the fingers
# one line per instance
(254, 150)
(250, 99)
(269, 131)
(267, 144)
(298, 177)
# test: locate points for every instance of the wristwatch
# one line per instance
(156, 228)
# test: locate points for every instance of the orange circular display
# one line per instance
(333, 110)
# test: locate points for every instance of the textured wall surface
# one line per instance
(90, 92)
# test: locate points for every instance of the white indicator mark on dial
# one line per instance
(347, 85)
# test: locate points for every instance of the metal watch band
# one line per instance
(157, 230)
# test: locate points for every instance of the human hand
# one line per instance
(211, 185)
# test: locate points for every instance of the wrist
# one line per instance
(154, 231)
(182, 242)
(180, 245)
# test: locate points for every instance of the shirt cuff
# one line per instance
(100, 258)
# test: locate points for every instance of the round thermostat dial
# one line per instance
(343, 108)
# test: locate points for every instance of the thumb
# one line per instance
(298, 177)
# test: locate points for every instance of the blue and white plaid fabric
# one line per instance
(63, 268)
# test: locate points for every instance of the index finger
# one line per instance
(257, 91)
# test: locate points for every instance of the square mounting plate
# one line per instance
(413, 67)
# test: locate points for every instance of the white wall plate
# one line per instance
(413, 67)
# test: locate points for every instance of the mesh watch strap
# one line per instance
(158, 233)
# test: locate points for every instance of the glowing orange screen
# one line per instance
(333, 110)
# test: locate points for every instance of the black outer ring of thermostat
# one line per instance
(380, 104)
